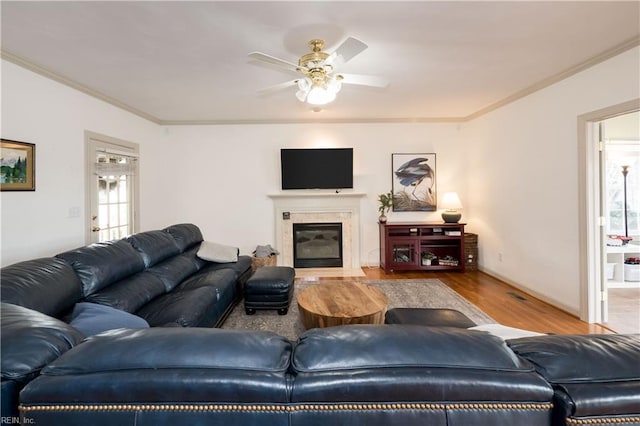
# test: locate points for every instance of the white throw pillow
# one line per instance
(505, 332)
(219, 253)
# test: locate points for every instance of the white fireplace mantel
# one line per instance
(308, 207)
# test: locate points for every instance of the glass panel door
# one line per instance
(114, 177)
(403, 253)
(112, 169)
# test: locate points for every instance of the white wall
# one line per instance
(523, 178)
(229, 171)
(55, 117)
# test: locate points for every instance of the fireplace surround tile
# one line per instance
(341, 208)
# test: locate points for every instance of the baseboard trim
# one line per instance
(555, 303)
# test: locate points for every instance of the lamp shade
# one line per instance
(451, 201)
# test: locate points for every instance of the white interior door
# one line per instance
(602, 196)
(112, 182)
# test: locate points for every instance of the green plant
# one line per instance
(386, 202)
(428, 255)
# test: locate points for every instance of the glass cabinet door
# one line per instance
(403, 253)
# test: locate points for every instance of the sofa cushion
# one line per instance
(91, 318)
(603, 358)
(223, 280)
(48, 285)
(239, 268)
(30, 340)
(154, 246)
(174, 270)
(215, 252)
(131, 293)
(169, 365)
(357, 347)
(186, 235)
(400, 363)
(193, 308)
(101, 264)
(219, 278)
(177, 348)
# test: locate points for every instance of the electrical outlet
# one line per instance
(500, 257)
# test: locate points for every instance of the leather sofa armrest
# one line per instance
(582, 358)
(30, 340)
(596, 378)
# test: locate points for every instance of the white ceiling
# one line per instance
(176, 62)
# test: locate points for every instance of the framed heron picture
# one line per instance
(414, 182)
(17, 166)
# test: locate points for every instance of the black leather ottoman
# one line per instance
(271, 287)
(430, 317)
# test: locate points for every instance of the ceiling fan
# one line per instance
(319, 82)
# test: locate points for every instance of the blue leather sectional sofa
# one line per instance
(154, 275)
(183, 371)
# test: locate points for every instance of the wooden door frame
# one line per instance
(590, 241)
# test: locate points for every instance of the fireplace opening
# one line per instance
(317, 245)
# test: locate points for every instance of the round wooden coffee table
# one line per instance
(327, 305)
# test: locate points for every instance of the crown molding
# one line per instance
(616, 50)
(610, 53)
(357, 120)
(13, 58)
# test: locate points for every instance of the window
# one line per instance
(115, 175)
(618, 154)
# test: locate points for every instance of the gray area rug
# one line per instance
(420, 293)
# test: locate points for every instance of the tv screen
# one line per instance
(320, 168)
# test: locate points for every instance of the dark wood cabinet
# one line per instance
(422, 246)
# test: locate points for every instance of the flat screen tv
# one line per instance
(317, 168)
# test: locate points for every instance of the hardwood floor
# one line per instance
(506, 304)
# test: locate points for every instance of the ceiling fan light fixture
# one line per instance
(304, 84)
(320, 96)
(334, 85)
(318, 84)
(302, 95)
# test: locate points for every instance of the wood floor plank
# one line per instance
(506, 304)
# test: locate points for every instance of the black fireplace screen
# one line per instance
(317, 245)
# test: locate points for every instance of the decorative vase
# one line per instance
(382, 219)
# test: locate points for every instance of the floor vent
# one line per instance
(516, 296)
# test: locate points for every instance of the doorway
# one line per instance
(621, 207)
(112, 187)
(601, 213)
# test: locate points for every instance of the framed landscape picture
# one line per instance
(414, 182)
(17, 166)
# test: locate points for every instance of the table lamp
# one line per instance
(452, 205)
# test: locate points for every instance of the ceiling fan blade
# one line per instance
(259, 56)
(364, 80)
(347, 50)
(276, 87)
